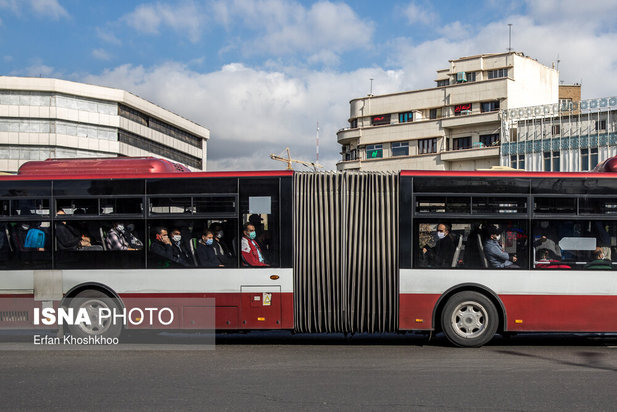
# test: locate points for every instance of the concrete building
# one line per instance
(453, 126)
(571, 136)
(44, 118)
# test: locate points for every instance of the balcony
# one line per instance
(473, 153)
(470, 119)
(347, 135)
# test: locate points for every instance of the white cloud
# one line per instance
(252, 113)
(421, 14)
(323, 31)
(184, 17)
(108, 35)
(101, 54)
(42, 8)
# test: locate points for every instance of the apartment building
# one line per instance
(570, 136)
(454, 125)
(44, 118)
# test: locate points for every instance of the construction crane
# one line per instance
(290, 161)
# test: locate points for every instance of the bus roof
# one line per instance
(118, 168)
(509, 174)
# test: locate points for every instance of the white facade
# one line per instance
(454, 126)
(44, 118)
(564, 137)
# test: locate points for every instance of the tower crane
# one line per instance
(290, 161)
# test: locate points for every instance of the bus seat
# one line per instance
(192, 244)
(103, 237)
(457, 251)
(482, 255)
(9, 241)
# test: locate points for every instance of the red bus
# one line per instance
(469, 254)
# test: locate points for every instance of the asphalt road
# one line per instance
(283, 372)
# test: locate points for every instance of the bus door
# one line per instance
(260, 307)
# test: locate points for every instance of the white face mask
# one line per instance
(176, 238)
(441, 235)
(497, 237)
(219, 234)
(120, 228)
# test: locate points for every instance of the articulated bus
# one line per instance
(469, 254)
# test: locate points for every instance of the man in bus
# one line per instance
(440, 255)
(251, 252)
(495, 255)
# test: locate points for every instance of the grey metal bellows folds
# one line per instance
(346, 252)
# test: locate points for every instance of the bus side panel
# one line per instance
(561, 313)
(416, 311)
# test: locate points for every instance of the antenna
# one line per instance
(317, 145)
(558, 61)
(371, 92)
(509, 37)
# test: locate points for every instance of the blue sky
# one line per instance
(261, 74)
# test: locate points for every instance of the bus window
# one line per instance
(25, 245)
(471, 244)
(179, 243)
(91, 244)
(576, 244)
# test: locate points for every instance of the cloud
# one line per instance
(41, 8)
(422, 14)
(252, 113)
(108, 35)
(184, 17)
(282, 28)
(101, 54)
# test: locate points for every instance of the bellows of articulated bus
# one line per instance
(100, 166)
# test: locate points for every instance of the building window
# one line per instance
(601, 125)
(441, 83)
(555, 161)
(380, 119)
(555, 130)
(435, 113)
(374, 151)
(405, 117)
(462, 109)
(159, 149)
(489, 106)
(547, 161)
(400, 149)
(584, 160)
(353, 123)
(489, 139)
(594, 157)
(427, 146)
(521, 162)
(461, 143)
(496, 74)
(471, 76)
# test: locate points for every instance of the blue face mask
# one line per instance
(209, 241)
(252, 235)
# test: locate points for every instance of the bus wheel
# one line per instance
(469, 319)
(95, 303)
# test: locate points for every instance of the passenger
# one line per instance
(116, 238)
(599, 262)
(219, 244)
(495, 255)
(182, 255)
(251, 252)
(440, 255)
(207, 255)
(544, 241)
(130, 237)
(545, 262)
(70, 238)
(161, 246)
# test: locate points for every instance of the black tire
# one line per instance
(469, 319)
(92, 300)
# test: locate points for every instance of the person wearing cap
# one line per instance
(495, 255)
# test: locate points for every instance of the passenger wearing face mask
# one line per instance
(495, 255)
(599, 261)
(181, 254)
(207, 256)
(116, 239)
(251, 252)
(222, 250)
(440, 256)
(544, 240)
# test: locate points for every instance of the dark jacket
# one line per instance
(440, 256)
(169, 254)
(67, 236)
(206, 256)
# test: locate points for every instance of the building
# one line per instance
(571, 136)
(453, 126)
(44, 118)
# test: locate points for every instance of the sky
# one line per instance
(263, 75)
